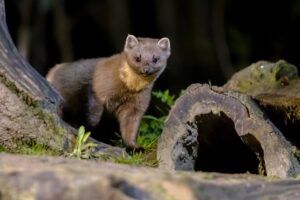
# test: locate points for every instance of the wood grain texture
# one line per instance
(212, 130)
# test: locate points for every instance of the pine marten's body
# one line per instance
(120, 84)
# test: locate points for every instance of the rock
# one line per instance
(212, 130)
(25, 177)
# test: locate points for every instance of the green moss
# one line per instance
(54, 136)
(2, 149)
(271, 178)
(290, 113)
(147, 158)
(39, 113)
(209, 175)
(135, 159)
(31, 147)
(284, 69)
(13, 88)
(270, 73)
(297, 154)
(48, 118)
(54, 129)
(264, 74)
(245, 86)
(37, 149)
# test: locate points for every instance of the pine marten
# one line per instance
(120, 84)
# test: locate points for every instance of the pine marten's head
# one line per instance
(146, 56)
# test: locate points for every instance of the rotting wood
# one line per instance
(212, 130)
(276, 88)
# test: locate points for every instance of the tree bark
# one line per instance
(29, 106)
(275, 86)
(212, 130)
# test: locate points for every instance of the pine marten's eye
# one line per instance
(138, 58)
(155, 59)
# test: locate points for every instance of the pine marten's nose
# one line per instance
(147, 70)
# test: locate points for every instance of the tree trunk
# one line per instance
(27, 103)
(29, 106)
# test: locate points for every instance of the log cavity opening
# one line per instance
(286, 121)
(221, 149)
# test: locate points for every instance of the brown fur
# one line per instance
(119, 84)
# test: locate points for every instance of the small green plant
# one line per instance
(82, 146)
(151, 126)
(165, 97)
(209, 83)
(150, 130)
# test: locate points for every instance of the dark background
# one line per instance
(210, 39)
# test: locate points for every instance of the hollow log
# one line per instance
(275, 86)
(209, 129)
(29, 106)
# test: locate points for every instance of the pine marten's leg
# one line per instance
(94, 109)
(130, 115)
(129, 120)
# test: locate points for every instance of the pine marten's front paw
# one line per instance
(134, 149)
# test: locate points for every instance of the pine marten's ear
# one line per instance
(164, 44)
(131, 42)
